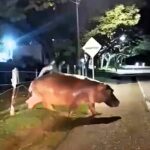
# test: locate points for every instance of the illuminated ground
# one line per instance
(124, 128)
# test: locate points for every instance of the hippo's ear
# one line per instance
(109, 88)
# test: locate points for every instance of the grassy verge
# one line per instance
(37, 127)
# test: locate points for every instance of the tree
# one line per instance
(64, 51)
(15, 10)
(121, 47)
(119, 16)
(143, 46)
(109, 28)
(43, 4)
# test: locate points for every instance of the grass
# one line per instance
(23, 120)
(39, 121)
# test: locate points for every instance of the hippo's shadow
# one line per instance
(65, 123)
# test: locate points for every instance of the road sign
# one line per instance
(92, 47)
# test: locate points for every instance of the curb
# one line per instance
(146, 100)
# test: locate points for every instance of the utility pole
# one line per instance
(78, 29)
(77, 2)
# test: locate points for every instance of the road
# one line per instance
(109, 132)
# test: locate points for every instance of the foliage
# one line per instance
(119, 16)
(116, 51)
(40, 5)
(143, 46)
(64, 51)
(15, 10)
(109, 28)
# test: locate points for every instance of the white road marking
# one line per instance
(141, 88)
(144, 94)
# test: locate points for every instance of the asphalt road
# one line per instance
(126, 127)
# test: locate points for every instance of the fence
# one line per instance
(24, 76)
(6, 88)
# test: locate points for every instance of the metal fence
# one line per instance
(22, 88)
(24, 76)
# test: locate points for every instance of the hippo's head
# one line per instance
(107, 96)
(111, 99)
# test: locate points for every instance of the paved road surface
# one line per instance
(131, 132)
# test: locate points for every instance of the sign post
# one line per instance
(92, 47)
(14, 81)
(93, 72)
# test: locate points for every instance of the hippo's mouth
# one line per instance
(112, 103)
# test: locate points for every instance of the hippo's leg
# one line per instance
(49, 106)
(52, 107)
(92, 108)
(91, 105)
(72, 107)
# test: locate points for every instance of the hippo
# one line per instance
(71, 91)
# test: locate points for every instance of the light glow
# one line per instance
(123, 38)
(9, 43)
(7, 47)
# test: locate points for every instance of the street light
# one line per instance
(9, 45)
(122, 38)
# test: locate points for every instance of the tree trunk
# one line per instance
(102, 61)
(107, 64)
(109, 60)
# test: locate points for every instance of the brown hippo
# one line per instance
(69, 90)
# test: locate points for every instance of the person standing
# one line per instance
(48, 68)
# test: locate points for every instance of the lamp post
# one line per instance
(78, 29)
(77, 2)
